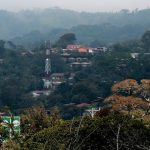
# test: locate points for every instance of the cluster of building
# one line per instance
(78, 55)
(84, 49)
(75, 61)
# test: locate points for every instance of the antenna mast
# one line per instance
(47, 81)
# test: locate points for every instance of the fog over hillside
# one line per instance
(55, 21)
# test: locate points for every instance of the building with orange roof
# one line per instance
(83, 50)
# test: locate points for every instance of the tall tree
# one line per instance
(129, 95)
(146, 39)
(66, 39)
(2, 47)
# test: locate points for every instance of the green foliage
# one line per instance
(146, 40)
(65, 39)
(20, 75)
(93, 134)
(2, 47)
(11, 144)
(36, 118)
(53, 22)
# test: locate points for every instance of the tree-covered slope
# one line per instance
(18, 23)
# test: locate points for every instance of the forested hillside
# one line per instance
(21, 74)
(103, 27)
(74, 79)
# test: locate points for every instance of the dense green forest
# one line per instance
(104, 131)
(116, 81)
(92, 35)
(20, 75)
(32, 27)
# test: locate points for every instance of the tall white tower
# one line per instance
(47, 66)
(47, 81)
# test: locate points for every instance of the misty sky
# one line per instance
(79, 5)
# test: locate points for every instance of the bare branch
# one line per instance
(118, 133)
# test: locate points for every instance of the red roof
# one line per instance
(82, 105)
(83, 50)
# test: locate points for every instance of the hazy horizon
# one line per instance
(82, 5)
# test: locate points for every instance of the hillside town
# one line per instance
(75, 76)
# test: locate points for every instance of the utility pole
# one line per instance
(93, 111)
